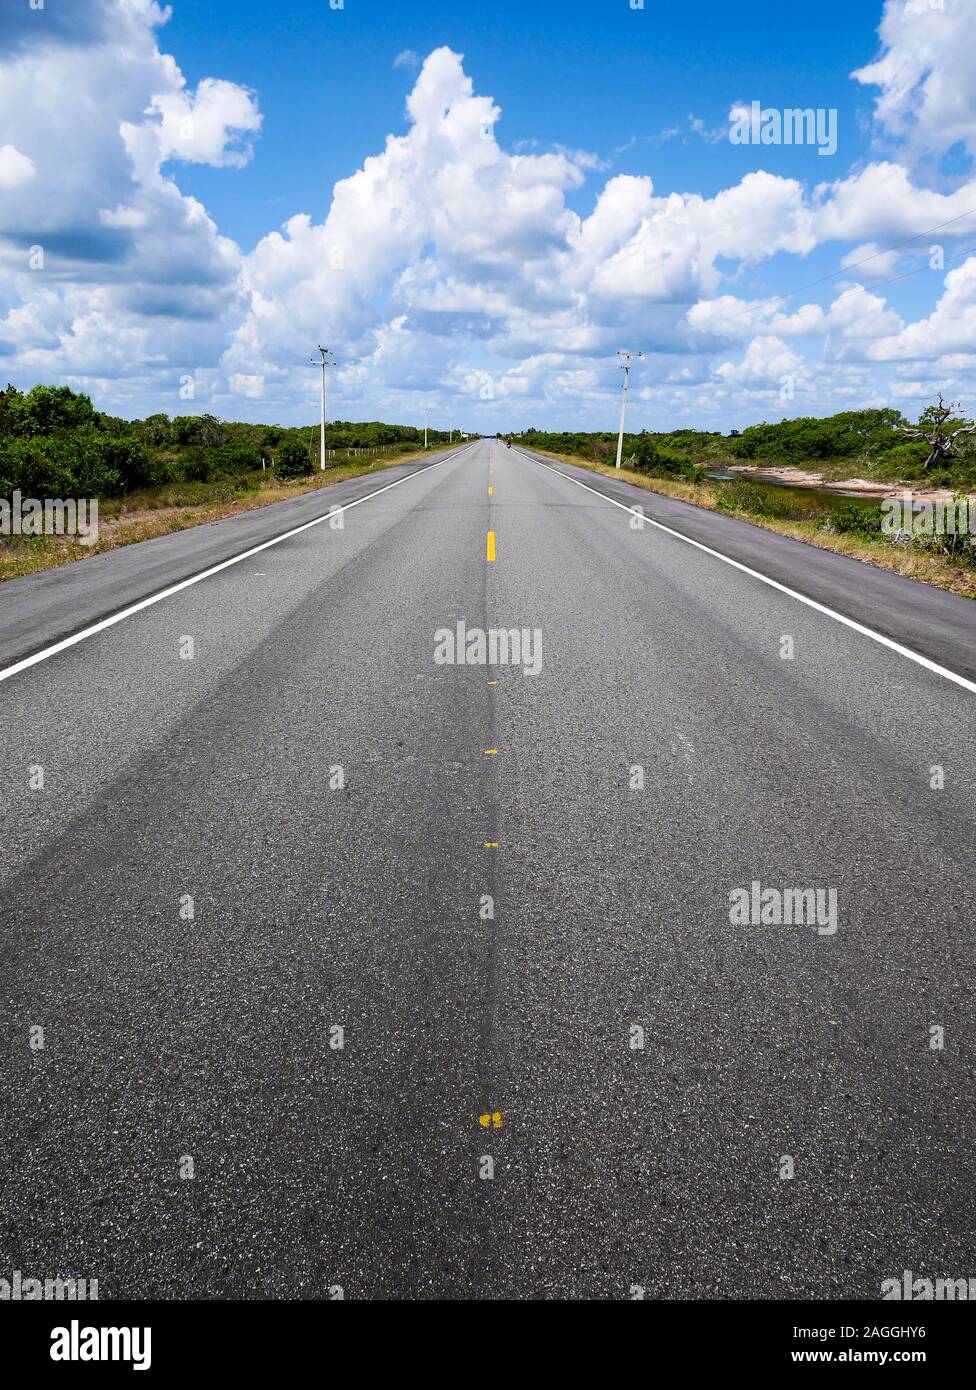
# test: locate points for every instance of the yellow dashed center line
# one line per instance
(491, 844)
(491, 545)
(491, 490)
(490, 752)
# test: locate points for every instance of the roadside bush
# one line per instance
(648, 458)
(66, 466)
(235, 459)
(159, 471)
(756, 499)
(101, 457)
(249, 482)
(202, 465)
(953, 547)
(851, 519)
(292, 460)
(35, 467)
(196, 465)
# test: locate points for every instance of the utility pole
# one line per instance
(625, 364)
(324, 363)
(425, 425)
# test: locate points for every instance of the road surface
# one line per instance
(306, 827)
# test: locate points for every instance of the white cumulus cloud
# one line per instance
(208, 126)
(926, 74)
(15, 168)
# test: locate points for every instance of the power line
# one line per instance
(747, 309)
(844, 269)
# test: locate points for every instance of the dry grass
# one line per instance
(161, 511)
(935, 569)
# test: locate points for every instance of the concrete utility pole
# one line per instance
(621, 352)
(324, 363)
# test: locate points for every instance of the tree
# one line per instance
(43, 411)
(11, 410)
(292, 460)
(941, 441)
(186, 429)
(156, 429)
(211, 431)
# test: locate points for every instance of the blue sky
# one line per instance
(587, 76)
(213, 192)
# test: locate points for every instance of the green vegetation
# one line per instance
(854, 443)
(54, 443)
(293, 460)
(647, 456)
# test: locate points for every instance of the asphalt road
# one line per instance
(316, 905)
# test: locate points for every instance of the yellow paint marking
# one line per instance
(491, 1121)
(491, 844)
(491, 490)
(492, 682)
(490, 752)
(491, 545)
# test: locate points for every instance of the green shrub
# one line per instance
(101, 457)
(196, 465)
(234, 459)
(79, 465)
(851, 519)
(648, 457)
(292, 459)
(763, 499)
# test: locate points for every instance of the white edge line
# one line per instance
(147, 602)
(773, 583)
